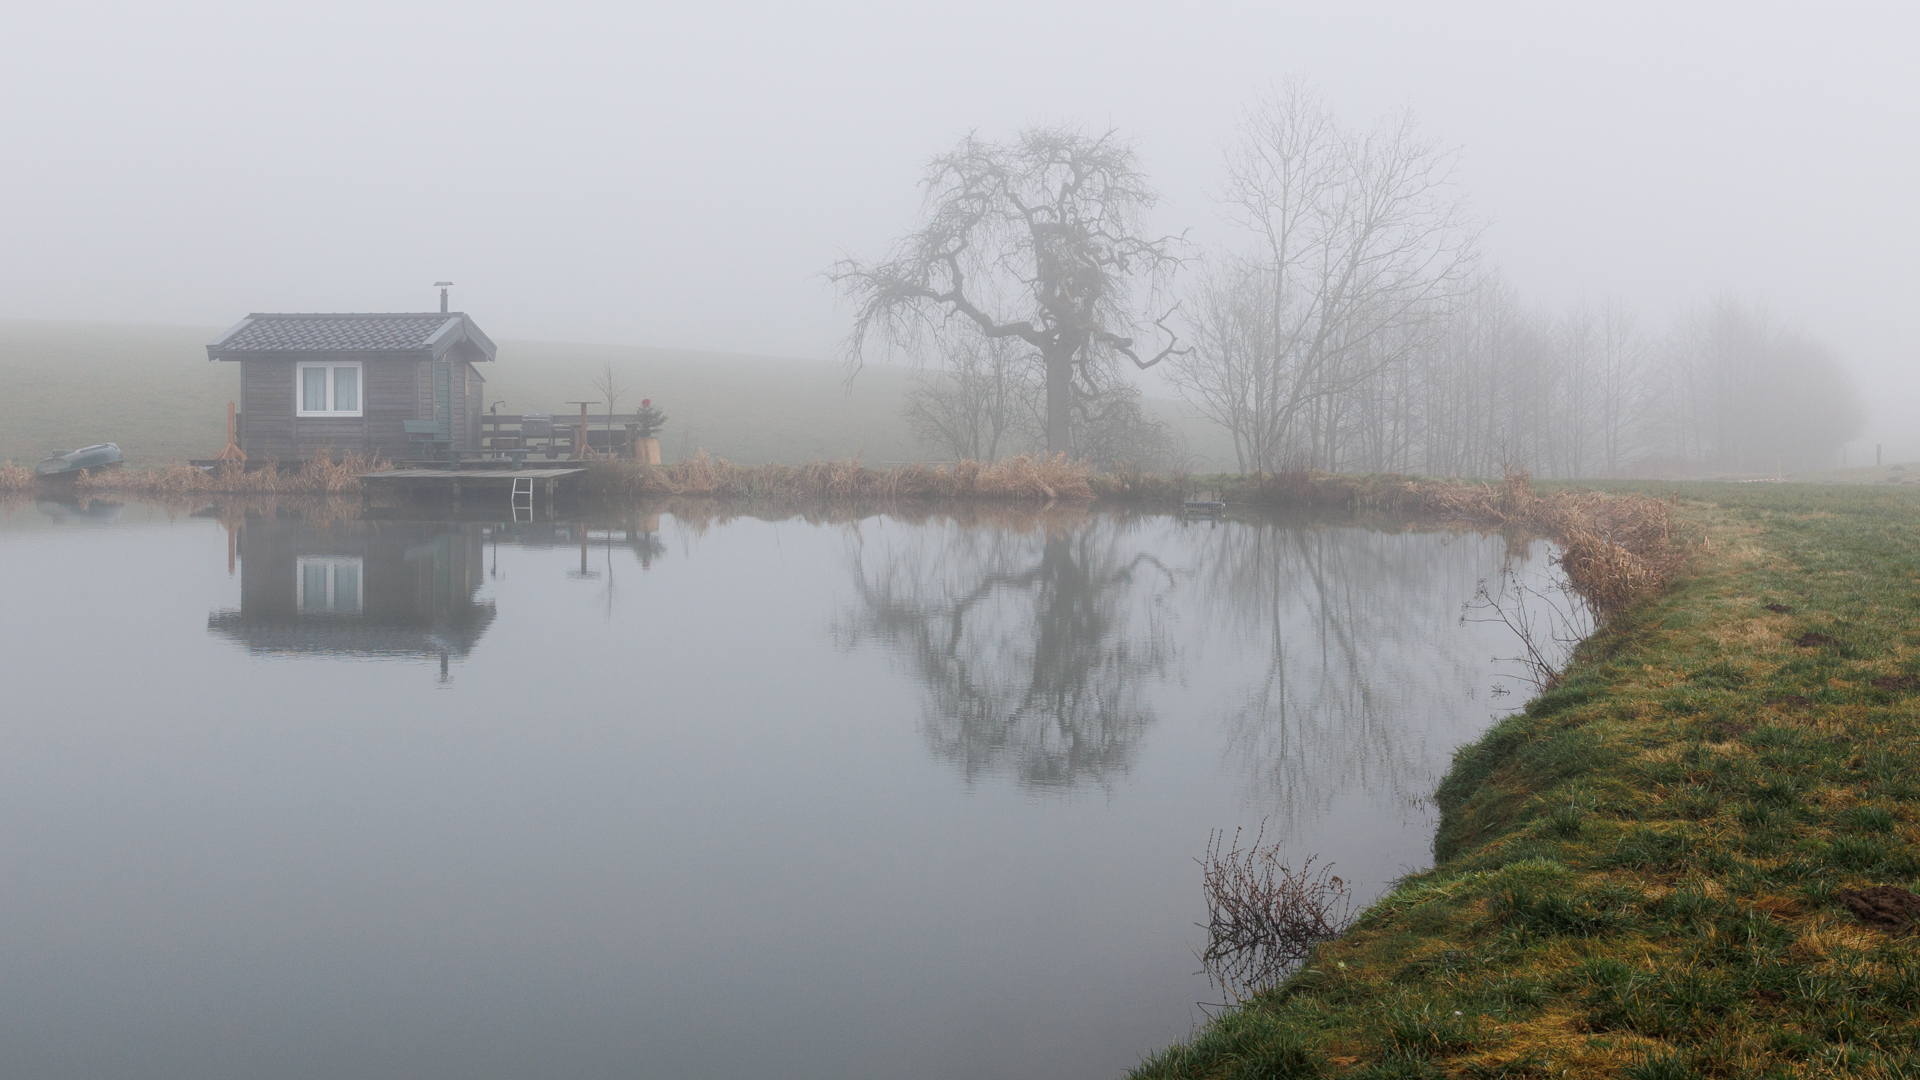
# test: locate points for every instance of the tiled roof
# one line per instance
(335, 333)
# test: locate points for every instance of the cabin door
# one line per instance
(443, 399)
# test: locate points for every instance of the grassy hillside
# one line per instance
(149, 388)
(152, 390)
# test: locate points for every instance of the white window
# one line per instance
(327, 389)
(329, 586)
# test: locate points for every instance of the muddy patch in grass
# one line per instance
(1888, 907)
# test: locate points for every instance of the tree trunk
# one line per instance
(1059, 404)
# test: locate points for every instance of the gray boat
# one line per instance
(64, 464)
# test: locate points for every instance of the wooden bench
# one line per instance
(426, 435)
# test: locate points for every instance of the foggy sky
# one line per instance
(680, 175)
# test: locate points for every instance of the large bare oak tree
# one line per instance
(1043, 239)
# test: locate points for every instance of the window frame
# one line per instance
(329, 366)
(330, 566)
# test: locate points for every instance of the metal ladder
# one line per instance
(522, 497)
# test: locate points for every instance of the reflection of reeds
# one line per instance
(1023, 479)
(703, 512)
(1615, 548)
(314, 509)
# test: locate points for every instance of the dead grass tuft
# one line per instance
(321, 475)
(15, 477)
(1616, 549)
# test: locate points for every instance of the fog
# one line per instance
(683, 175)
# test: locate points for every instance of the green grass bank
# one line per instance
(1645, 873)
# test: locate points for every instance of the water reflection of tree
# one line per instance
(1360, 636)
(1032, 645)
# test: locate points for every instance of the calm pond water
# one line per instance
(662, 795)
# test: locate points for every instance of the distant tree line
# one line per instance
(1349, 325)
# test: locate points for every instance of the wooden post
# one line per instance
(232, 451)
(580, 451)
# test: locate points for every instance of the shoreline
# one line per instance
(1653, 870)
(1593, 846)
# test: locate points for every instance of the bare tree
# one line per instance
(609, 386)
(1043, 240)
(1356, 241)
(1232, 343)
(1748, 394)
(1625, 383)
(974, 406)
(1110, 426)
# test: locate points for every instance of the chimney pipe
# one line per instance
(443, 295)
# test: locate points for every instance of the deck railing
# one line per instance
(559, 434)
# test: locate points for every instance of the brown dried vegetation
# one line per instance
(15, 477)
(321, 475)
(1032, 479)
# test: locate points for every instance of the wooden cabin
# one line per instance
(400, 385)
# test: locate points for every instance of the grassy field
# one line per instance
(152, 390)
(1641, 875)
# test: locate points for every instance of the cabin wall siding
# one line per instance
(476, 404)
(267, 409)
(456, 406)
(464, 393)
(391, 402)
(269, 430)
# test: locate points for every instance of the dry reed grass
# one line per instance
(1023, 479)
(321, 475)
(1615, 549)
(15, 477)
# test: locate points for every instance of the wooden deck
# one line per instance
(468, 472)
(492, 484)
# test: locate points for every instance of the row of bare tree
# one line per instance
(1491, 384)
(1349, 323)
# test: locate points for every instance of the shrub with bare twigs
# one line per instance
(1263, 916)
(321, 474)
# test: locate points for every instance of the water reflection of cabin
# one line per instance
(372, 383)
(387, 588)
